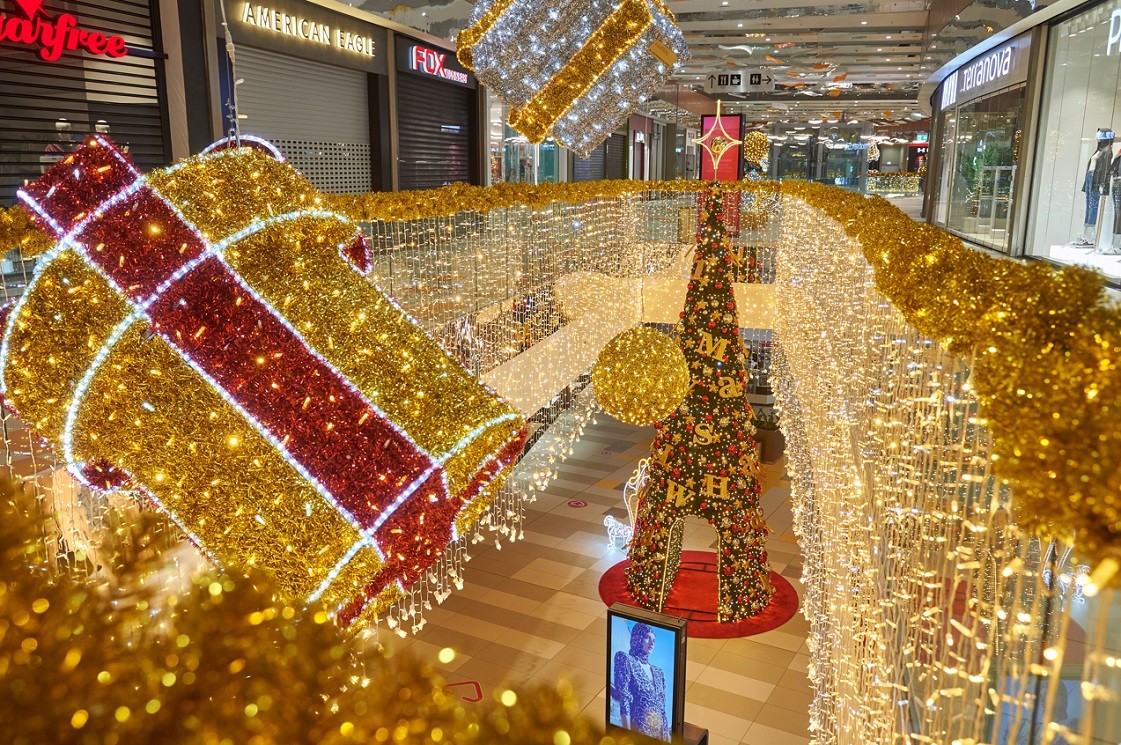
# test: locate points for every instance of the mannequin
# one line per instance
(1095, 183)
(1114, 247)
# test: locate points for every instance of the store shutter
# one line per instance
(590, 168)
(434, 133)
(317, 115)
(47, 109)
(615, 156)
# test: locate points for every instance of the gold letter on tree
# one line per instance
(729, 388)
(713, 348)
(716, 487)
(703, 434)
(678, 494)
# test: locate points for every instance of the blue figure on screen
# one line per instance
(640, 687)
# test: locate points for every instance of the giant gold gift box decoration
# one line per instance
(206, 337)
(572, 69)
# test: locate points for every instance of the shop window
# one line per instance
(981, 152)
(1076, 209)
(513, 158)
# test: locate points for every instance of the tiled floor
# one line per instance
(531, 612)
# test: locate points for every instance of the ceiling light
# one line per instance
(739, 25)
(887, 37)
(864, 23)
(880, 49)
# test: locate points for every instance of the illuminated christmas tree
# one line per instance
(704, 461)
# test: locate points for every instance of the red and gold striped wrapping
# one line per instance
(204, 335)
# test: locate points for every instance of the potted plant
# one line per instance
(772, 443)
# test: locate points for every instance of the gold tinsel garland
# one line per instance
(1045, 340)
(17, 231)
(218, 660)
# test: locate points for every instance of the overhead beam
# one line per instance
(901, 21)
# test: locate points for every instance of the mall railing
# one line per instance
(948, 415)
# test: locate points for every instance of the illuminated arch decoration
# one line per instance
(206, 337)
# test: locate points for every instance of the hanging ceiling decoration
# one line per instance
(717, 141)
(572, 72)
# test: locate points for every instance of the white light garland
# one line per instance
(933, 618)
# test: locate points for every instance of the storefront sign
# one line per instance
(309, 30)
(56, 35)
(430, 61)
(1114, 32)
(1001, 68)
(301, 27)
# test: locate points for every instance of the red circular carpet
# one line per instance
(694, 597)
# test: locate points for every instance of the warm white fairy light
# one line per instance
(927, 606)
(933, 619)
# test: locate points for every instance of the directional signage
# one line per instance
(757, 80)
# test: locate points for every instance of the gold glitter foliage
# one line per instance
(1045, 341)
(17, 231)
(640, 376)
(218, 660)
(756, 147)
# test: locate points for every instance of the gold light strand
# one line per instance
(921, 595)
(1053, 329)
(897, 531)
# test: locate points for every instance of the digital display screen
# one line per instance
(645, 676)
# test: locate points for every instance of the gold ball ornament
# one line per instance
(640, 376)
(756, 147)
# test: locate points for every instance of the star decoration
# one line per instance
(717, 141)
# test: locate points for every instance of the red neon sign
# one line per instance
(431, 62)
(56, 35)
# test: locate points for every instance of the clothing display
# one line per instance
(1093, 193)
(1094, 184)
(642, 695)
(1114, 246)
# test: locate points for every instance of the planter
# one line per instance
(772, 444)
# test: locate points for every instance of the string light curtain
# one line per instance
(934, 618)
